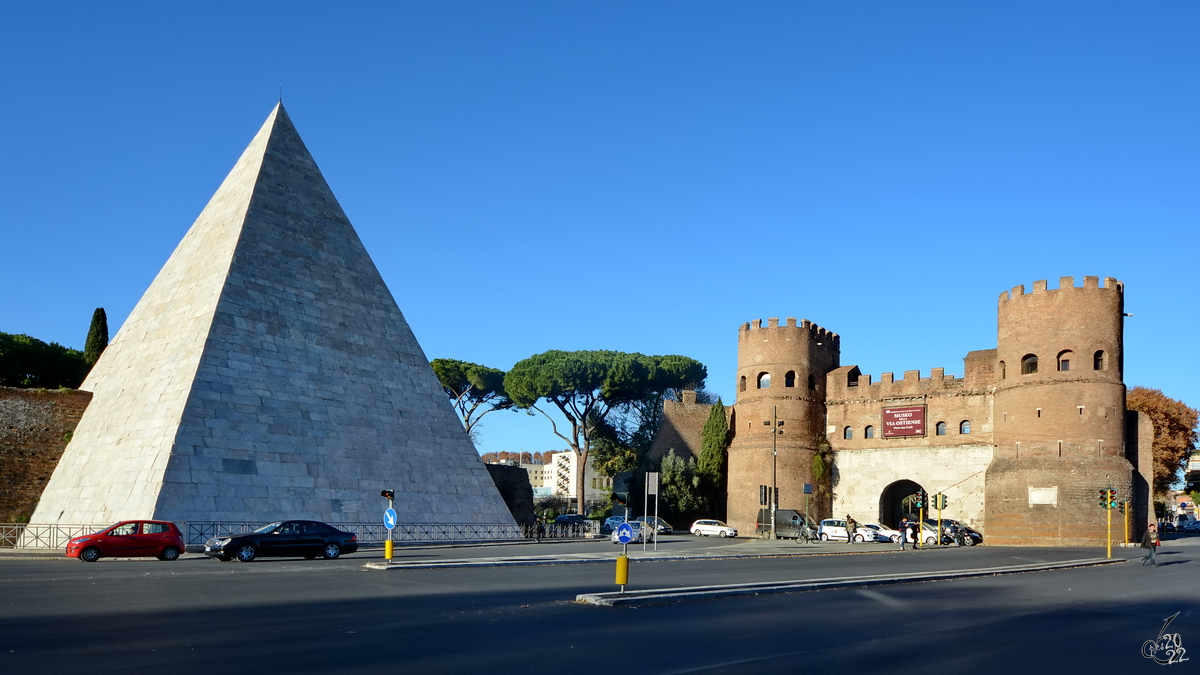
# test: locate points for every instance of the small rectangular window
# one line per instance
(1066, 365)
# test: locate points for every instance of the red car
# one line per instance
(128, 539)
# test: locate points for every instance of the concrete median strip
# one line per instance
(586, 558)
(661, 595)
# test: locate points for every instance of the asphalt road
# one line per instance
(199, 615)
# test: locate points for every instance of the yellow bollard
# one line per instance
(622, 571)
(387, 549)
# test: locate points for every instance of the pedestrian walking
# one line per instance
(851, 528)
(915, 530)
(903, 533)
(1150, 543)
(540, 529)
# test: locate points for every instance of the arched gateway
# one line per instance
(891, 502)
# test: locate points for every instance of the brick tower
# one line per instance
(1059, 414)
(781, 375)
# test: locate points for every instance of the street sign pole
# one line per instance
(624, 535)
(651, 489)
(389, 522)
(774, 478)
(808, 488)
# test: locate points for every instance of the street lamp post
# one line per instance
(775, 430)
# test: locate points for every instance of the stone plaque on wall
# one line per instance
(1043, 496)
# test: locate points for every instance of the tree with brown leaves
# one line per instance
(1174, 433)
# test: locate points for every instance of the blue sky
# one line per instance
(630, 175)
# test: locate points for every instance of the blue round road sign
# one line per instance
(625, 533)
(389, 518)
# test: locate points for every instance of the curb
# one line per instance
(662, 595)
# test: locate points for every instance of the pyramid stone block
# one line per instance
(268, 373)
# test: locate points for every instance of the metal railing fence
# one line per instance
(22, 535)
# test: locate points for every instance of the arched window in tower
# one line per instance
(869, 432)
(764, 380)
(789, 380)
(812, 382)
(848, 433)
(1002, 373)
(742, 384)
(941, 428)
(1064, 359)
(1098, 360)
(1029, 364)
(964, 427)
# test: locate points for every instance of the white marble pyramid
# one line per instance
(268, 373)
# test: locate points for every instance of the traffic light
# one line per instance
(1112, 498)
(920, 499)
(387, 494)
(939, 501)
(1104, 499)
(621, 498)
(1121, 506)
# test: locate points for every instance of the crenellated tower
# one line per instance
(1059, 413)
(781, 375)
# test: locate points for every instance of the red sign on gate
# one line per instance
(907, 421)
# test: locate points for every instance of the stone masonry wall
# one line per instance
(514, 486)
(862, 475)
(682, 429)
(34, 428)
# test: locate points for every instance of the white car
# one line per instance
(638, 537)
(835, 528)
(928, 534)
(611, 524)
(882, 533)
(710, 528)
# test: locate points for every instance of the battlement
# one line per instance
(815, 332)
(848, 381)
(1064, 284)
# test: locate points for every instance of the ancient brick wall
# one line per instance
(682, 429)
(513, 484)
(34, 428)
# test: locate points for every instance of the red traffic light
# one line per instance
(387, 494)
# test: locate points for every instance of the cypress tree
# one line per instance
(97, 337)
(714, 441)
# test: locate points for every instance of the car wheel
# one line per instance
(169, 553)
(724, 533)
(332, 551)
(698, 533)
(246, 553)
(895, 539)
(968, 541)
(89, 554)
(929, 541)
(859, 538)
(824, 537)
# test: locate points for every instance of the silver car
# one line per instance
(638, 537)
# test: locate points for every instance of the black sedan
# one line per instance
(288, 538)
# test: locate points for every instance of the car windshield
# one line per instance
(267, 528)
